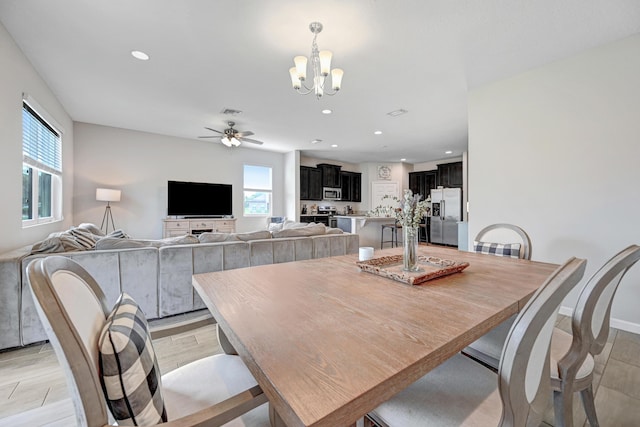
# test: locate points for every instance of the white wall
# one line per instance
(140, 164)
(17, 76)
(556, 151)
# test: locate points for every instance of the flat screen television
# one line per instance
(199, 199)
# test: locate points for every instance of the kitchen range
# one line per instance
(325, 214)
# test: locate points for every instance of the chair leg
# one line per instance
(589, 406)
(563, 409)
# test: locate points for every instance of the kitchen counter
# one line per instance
(367, 227)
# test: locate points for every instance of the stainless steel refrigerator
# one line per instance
(446, 212)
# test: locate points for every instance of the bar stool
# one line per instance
(394, 235)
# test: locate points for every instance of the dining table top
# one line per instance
(328, 342)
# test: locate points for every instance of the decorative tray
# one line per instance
(430, 268)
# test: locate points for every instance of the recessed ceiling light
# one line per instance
(448, 152)
(315, 141)
(140, 55)
(378, 132)
(327, 111)
(399, 112)
(334, 145)
(403, 160)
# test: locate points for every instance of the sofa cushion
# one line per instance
(330, 230)
(253, 235)
(129, 369)
(118, 243)
(210, 237)
(309, 230)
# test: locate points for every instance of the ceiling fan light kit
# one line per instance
(321, 67)
(231, 137)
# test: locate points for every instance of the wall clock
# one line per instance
(384, 172)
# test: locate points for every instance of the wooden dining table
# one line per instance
(328, 342)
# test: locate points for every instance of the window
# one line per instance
(257, 191)
(41, 169)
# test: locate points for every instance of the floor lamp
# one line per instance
(107, 195)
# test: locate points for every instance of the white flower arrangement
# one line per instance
(409, 211)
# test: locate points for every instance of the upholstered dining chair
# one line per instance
(109, 361)
(501, 240)
(574, 353)
(461, 392)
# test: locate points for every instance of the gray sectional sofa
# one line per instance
(158, 276)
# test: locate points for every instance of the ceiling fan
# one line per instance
(231, 137)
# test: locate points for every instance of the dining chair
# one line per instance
(573, 353)
(461, 392)
(109, 361)
(501, 240)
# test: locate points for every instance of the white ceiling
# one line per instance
(419, 55)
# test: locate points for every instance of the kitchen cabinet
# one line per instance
(450, 175)
(330, 175)
(423, 182)
(310, 183)
(351, 186)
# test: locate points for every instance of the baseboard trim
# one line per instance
(622, 325)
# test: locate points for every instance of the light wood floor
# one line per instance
(33, 390)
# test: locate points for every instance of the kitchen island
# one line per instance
(369, 228)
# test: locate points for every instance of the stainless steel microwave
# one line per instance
(331, 193)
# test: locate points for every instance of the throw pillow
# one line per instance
(511, 250)
(91, 228)
(118, 234)
(83, 237)
(129, 369)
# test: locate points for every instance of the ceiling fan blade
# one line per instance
(214, 130)
(243, 134)
(211, 136)
(253, 141)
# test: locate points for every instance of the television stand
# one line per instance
(180, 227)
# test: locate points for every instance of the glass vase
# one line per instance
(410, 249)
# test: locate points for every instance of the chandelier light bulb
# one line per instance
(336, 78)
(295, 81)
(301, 67)
(325, 62)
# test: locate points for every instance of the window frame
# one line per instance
(246, 189)
(51, 168)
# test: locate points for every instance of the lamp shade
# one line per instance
(107, 195)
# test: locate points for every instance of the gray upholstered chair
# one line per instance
(500, 240)
(212, 391)
(463, 392)
(574, 353)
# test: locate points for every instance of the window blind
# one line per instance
(41, 146)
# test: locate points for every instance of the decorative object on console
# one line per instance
(107, 195)
(321, 66)
(408, 213)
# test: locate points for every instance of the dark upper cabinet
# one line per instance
(351, 186)
(423, 182)
(310, 183)
(330, 175)
(450, 175)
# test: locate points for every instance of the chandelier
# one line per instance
(321, 66)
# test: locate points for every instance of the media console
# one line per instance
(180, 227)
